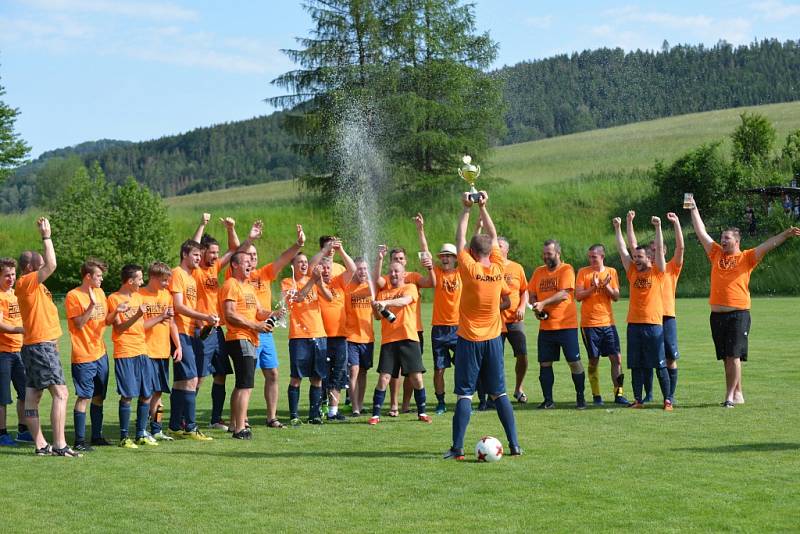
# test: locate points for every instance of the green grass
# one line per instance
(700, 468)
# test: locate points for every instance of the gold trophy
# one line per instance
(469, 173)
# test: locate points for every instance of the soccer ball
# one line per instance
(488, 449)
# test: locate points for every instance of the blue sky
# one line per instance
(80, 70)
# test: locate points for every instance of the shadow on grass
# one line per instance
(259, 455)
(744, 447)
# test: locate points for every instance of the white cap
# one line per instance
(448, 248)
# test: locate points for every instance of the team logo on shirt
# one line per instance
(360, 302)
(13, 310)
(548, 284)
(99, 313)
(450, 285)
(250, 301)
(643, 283)
(728, 263)
(489, 277)
(191, 293)
(211, 283)
(153, 309)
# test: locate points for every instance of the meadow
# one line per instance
(700, 468)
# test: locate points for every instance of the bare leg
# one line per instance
(271, 392)
(354, 369)
(58, 414)
(408, 389)
(362, 388)
(733, 376)
(520, 369)
(393, 386)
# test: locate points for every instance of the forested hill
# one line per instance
(544, 98)
(602, 88)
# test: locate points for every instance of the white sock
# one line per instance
(332, 411)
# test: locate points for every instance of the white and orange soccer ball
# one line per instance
(488, 449)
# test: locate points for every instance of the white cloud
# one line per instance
(668, 20)
(152, 10)
(540, 23)
(775, 10)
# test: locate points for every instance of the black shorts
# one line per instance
(403, 354)
(243, 354)
(729, 331)
(516, 338)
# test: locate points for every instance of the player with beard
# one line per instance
(552, 288)
(668, 288)
(730, 296)
(645, 313)
(360, 335)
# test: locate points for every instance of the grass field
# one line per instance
(700, 468)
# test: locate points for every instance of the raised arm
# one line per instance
(201, 228)
(349, 264)
(233, 241)
(776, 241)
(49, 255)
(679, 245)
(624, 255)
(629, 233)
(488, 224)
(700, 227)
(463, 222)
(287, 255)
(661, 262)
(377, 279)
(80, 321)
(423, 241)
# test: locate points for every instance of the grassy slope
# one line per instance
(700, 468)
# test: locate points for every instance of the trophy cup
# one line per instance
(469, 173)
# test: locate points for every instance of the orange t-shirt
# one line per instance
(668, 287)
(730, 277)
(207, 280)
(410, 278)
(132, 342)
(157, 337)
(479, 309)
(545, 283)
(405, 325)
(596, 308)
(183, 282)
(246, 305)
(517, 283)
(337, 269)
(260, 280)
(88, 344)
(39, 312)
(333, 312)
(645, 306)
(358, 312)
(9, 307)
(305, 318)
(446, 297)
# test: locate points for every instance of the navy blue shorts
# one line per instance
(600, 341)
(308, 357)
(479, 360)
(552, 342)
(11, 372)
(671, 338)
(266, 353)
(360, 354)
(91, 378)
(337, 363)
(646, 346)
(186, 369)
(134, 376)
(516, 338)
(443, 341)
(210, 354)
(160, 370)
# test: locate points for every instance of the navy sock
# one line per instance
(124, 419)
(506, 414)
(579, 380)
(638, 376)
(189, 408)
(440, 398)
(647, 380)
(96, 417)
(314, 401)
(142, 414)
(377, 402)
(546, 380)
(22, 428)
(460, 421)
(3, 431)
(155, 427)
(420, 399)
(294, 401)
(217, 402)
(673, 382)
(663, 382)
(79, 419)
(175, 409)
